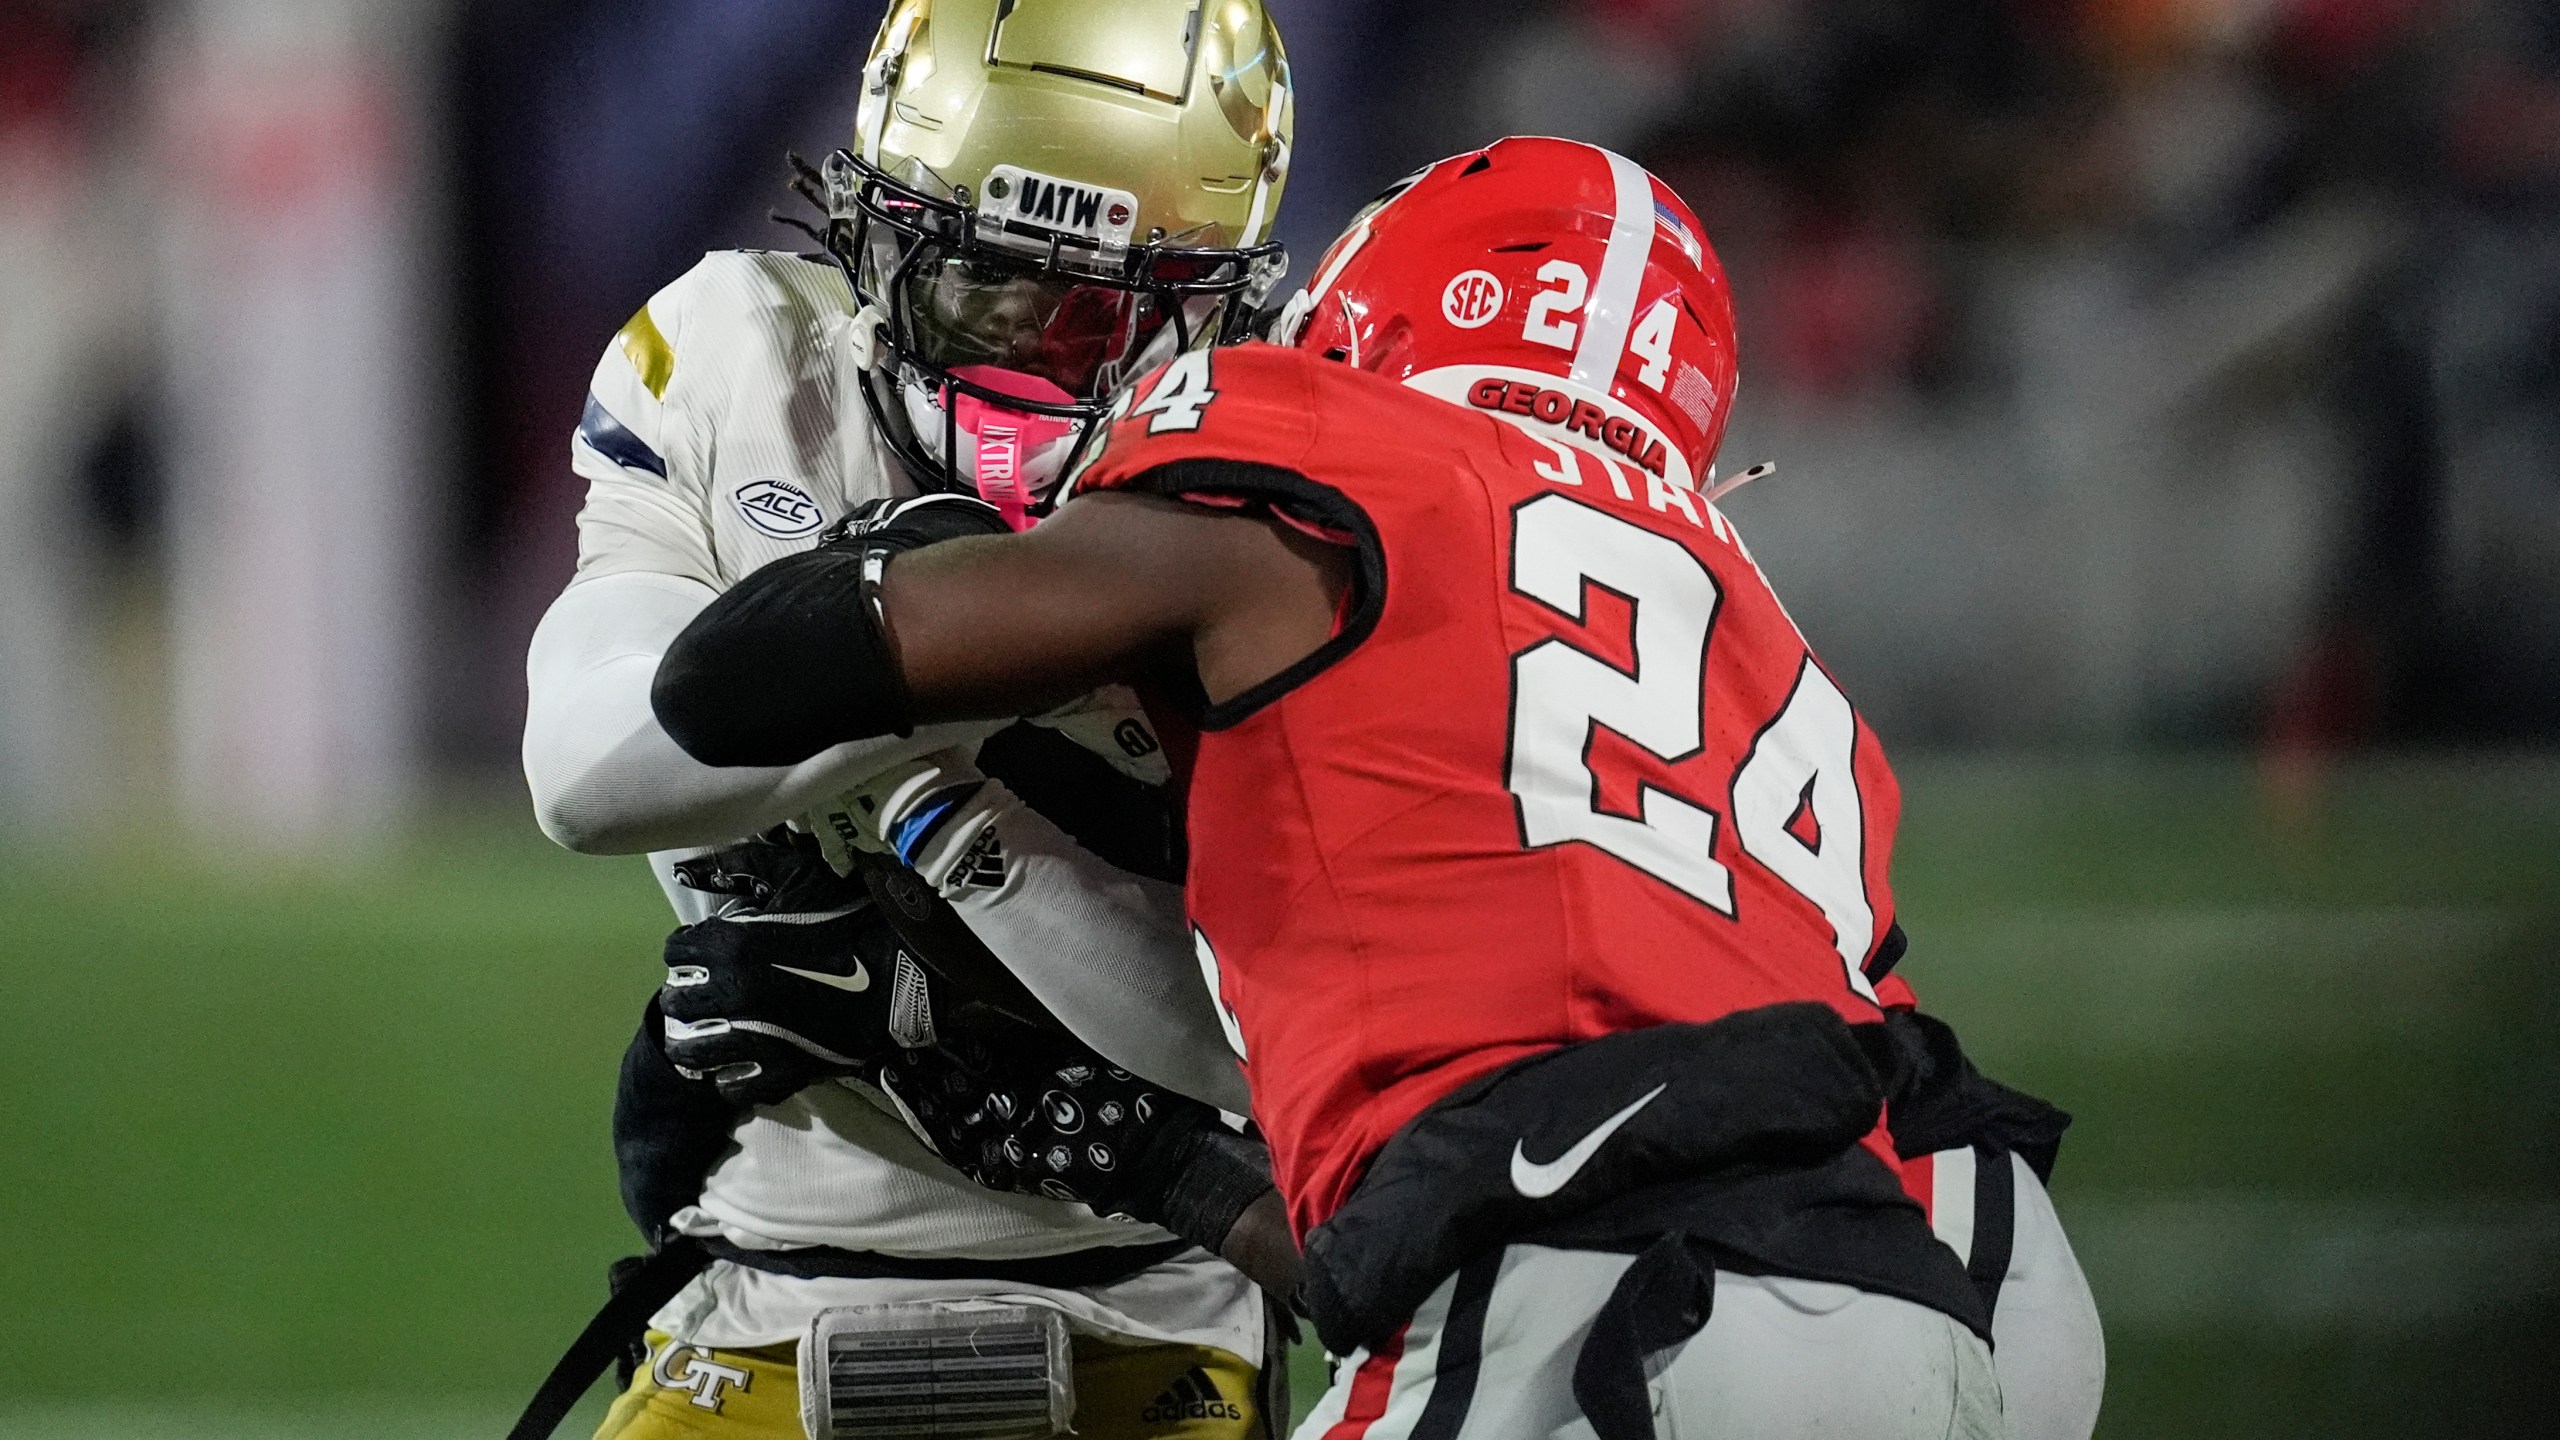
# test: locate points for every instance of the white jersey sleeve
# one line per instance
(720, 433)
(606, 779)
(1108, 952)
(723, 428)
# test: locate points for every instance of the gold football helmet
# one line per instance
(1043, 199)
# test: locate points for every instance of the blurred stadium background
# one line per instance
(2167, 399)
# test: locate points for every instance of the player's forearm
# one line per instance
(1107, 951)
(606, 778)
(968, 628)
(1260, 1245)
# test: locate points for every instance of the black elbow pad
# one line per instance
(787, 663)
(792, 659)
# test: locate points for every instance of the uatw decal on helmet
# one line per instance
(780, 509)
(1046, 202)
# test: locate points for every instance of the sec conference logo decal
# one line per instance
(1472, 298)
(780, 509)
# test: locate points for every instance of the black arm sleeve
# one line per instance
(1197, 1182)
(787, 663)
(792, 660)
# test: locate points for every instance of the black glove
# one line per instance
(1040, 1114)
(779, 872)
(668, 1131)
(799, 978)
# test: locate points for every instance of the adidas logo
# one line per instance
(983, 867)
(1192, 1396)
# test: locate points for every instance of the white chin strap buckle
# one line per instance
(863, 345)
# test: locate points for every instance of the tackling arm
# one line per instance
(1116, 586)
(606, 780)
(1113, 588)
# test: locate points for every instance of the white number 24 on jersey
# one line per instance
(1561, 694)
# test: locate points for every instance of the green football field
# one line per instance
(302, 1154)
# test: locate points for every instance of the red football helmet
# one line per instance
(1547, 280)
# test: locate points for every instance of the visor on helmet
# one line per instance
(1039, 323)
(988, 311)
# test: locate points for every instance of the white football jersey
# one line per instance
(725, 430)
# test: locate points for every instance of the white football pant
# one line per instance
(2045, 1338)
(1779, 1359)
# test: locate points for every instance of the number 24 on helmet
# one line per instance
(1547, 280)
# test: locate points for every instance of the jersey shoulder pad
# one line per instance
(737, 318)
(1260, 405)
(1251, 404)
(1318, 440)
(747, 298)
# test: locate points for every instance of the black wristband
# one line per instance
(787, 663)
(1201, 1179)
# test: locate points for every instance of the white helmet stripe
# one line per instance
(1333, 272)
(877, 97)
(1302, 306)
(1613, 299)
(1252, 234)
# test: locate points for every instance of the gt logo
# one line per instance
(682, 1367)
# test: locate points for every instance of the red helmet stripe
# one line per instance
(1612, 309)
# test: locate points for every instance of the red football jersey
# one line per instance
(1566, 769)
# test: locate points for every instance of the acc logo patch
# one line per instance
(1473, 298)
(780, 509)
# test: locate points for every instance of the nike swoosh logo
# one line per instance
(857, 982)
(1540, 1181)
